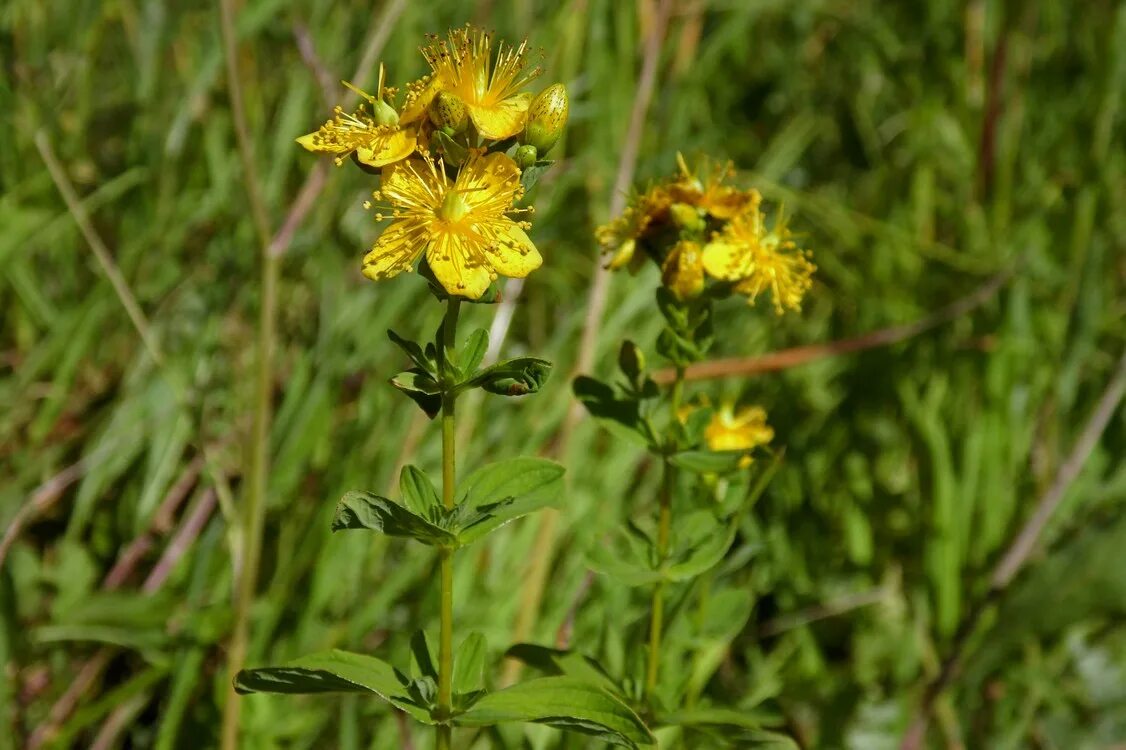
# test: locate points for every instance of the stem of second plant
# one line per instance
(445, 558)
(664, 528)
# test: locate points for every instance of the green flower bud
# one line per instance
(448, 113)
(525, 156)
(546, 118)
(383, 113)
(687, 217)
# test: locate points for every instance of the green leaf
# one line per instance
(414, 351)
(419, 493)
(553, 661)
(501, 492)
(422, 657)
(421, 388)
(631, 361)
(364, 510)
(564, 703)
(469, 665)
(625, 558)
(473, 351)
(531, 175)
(712, 543)
(621, 416)
(708, 462)
(512, 377)
(333, 671)
(752, 734)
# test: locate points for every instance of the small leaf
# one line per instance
(556, 662)
(634, 570)
(422, 658)
(621, 416)
(504, 491)
(703, 556)
(421, 388)
(512, 377)
(752, 734)
(364, 510)
(531, 175)
(333, 672)
(708, 462)
(473, 351)
(565, 703)
(419, 493)
(469, 665)
(631, 361)
(414, 351)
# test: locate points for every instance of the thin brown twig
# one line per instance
(546, 533)
(44, 496)
(800, 355)
(1017, 555)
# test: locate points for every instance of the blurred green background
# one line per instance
(921, 148)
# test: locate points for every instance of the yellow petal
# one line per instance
(395, 251)
(418, 100)
(623, 256)
(517, 257)
(387, 148)
(306, 142)
(727, 261)
(502, 119)
(449, 262)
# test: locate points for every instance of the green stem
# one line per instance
(445, 556)
(254, 512)
(664, 528)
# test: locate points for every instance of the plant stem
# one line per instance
(445, 556)
(664, 527)
(254, 512)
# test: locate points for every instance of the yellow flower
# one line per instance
(756, 259)
(744, 430)
(463, 65)
(704, 188)
(462, 224)
(376, 136)
(620, 235)
(683, 270)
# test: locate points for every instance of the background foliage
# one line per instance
(922, 147)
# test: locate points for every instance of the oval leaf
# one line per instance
(564, 703)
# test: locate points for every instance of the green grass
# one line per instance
(908, 469)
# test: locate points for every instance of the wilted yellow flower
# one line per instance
(620, 235)
(683, 270)
(744, 430)
(376, 136)
(704, 188)
(757, 259)
(462, 225)
(463, 66)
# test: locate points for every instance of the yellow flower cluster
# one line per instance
(696, 225)
(453, 206)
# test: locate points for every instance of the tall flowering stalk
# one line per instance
(710, 240)
(455, 156)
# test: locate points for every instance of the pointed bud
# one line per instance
(448, 113)
(547, 116)
(384, 114)
(687, 217)
(525, 156)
